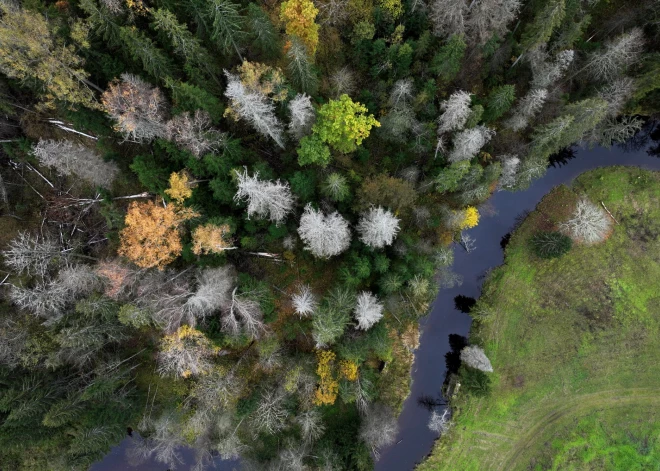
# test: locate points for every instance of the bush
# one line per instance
(474, 382)
(550, 244)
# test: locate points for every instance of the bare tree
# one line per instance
(589, 223)
(402, 93)
(368, 311)
(448, 17)
(467, 143)
(378, 227)
(343, 82)
(270, 415)
(304, 301)
(619, 54)
(440, 423)
(526, 109)
(616, 131)
(311, 425)
(138, 108)
(255, 108)
(184, 353)
(324, 235)
(69, 158)
(379, 428)
(490, 17)
(456, 111)
(617, 94)
(243, 314)
(474, 357)
(468, 242)
(510, 165)
(194, 133)
(332, 12)
(31, 254)
(273, 200)
(545, 71)
(302, 116)
(217, 390)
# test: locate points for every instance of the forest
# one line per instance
(222, 220)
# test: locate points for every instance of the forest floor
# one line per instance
(574, 343)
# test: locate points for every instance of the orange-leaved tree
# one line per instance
(299, 16)
(210, 238)
(152, 236)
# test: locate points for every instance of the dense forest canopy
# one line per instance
(222, 220)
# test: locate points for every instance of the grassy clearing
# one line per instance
(574, 343)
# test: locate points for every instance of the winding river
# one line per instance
(499, 216)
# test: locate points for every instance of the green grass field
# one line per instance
(575, 343)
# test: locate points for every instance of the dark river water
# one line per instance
(498, 217)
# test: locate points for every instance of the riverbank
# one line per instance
(573, 342)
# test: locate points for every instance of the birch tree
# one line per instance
(378, 227)
(265, 199)
(255, 108)
(324, 235)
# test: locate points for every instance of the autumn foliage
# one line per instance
(299, 16)
(328, 388)
(210, 238)
(152, 236)
(180, 188)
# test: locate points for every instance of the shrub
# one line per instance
(550, 244)
(474, 382)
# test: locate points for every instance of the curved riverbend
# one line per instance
(415, 440)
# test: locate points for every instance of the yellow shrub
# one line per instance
(348, 370)
(471, 218)
(328, 388)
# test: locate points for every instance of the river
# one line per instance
(499, 216)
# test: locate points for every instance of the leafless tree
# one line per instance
(589, 223)
(255, 108)
(490, 17)
(217, 390)
(402, 93)
(617, 94)
(474, 357)
(615, 131)
(304, 301)
(69, 158)
(184, 354)
(526, 109)
(510, 165)
(273, 200)
(270, 416)
(619, 54)
(368, 310)
(194, 133)
(379, 428)
(468, 242)
(467, 143)
(138, 108)
(547, 71)
(378, 227)
(311, 425)
(343, 82)
(32, 254)
(448, 17)
(456, 111)
(332, 12)
(440, 423)
(302, 116)
(243, 314)
(324, 235)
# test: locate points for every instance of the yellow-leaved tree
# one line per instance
(298, 17)
(180, 187)
(210, 238)
(152, 236)
(343, 124)
(30, 53)
(328, 388)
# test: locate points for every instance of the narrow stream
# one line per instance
(499, 216)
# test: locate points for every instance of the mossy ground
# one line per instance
(574, 343)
